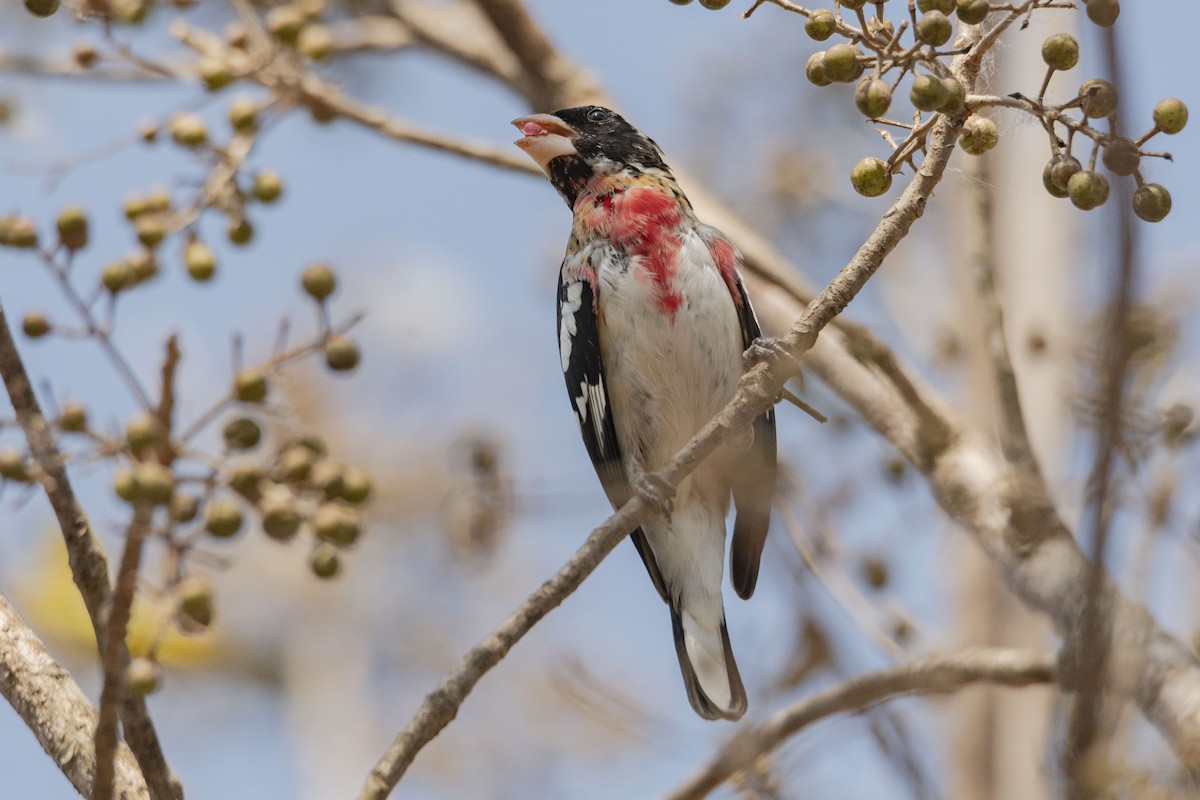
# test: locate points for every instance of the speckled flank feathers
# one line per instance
(653, 319)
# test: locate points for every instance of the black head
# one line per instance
(574, 145)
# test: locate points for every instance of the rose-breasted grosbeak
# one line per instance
(653, 321)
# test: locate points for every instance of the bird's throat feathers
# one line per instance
(643, 216)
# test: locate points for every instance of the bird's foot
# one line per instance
(656, 491)
(764, 349)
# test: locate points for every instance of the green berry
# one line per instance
(240, 231)
(1099, 98)
(117, 276)
(853, 5)
(142, 676)
(250, 385)
(280, 519)
(124, 484)
(944, 6)
(223, 517)
(319, 281)
(814, 70)
(1088, 189)
(820, 24)
(296, 462)
(188, 130)
(1063, 167)
(870, 177)
(325, 559)
(41, 8)
(284, 22)
(268, 186)
(242, 433)
(73, 418)
(73, 227)
(934, 28)
(215, 73)
(243, 115)
(979, 134)
(144, 430)
(183, 507)
(928, 93)
(972, 12)
(1170, 115)
(195, 603)
(155, 483)
(1103, 12)
(1048, 178)
(35, 324)
(956, 97)
(1060, 51)
(315, 42)
(341, 354)
(151, 229)
(1151, 202)
(873, 97)
(18, 231)
(356, 485)
(841, 63)
(1121, 156)
(336, 524)
(246, 479)
(142, 266)
(199, 261)
(13, 466)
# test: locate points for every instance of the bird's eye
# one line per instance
(597, 115)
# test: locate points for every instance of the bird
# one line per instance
(654, 329)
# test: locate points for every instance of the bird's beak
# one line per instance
(546, 137)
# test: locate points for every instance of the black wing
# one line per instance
(754, 484)
(583, 368)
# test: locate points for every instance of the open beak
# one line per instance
(546, 137)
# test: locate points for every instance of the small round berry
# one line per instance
(681, 2)
(296, 462)
(841, 63)
(85, 55)
(979, 134)
(356, 485)
(1121, 156)
(223, 517)
(72, 225)
(820, 24)
(853, 5)
(195, 603)
(280, 519)
(242, 433)
(972, 12)
(41, 8)
(934, 28)
(873, 97)
(144, 430)
(151, 230)
(1151, 202)
(341, 354)
(1170, 115)
(928, 93)
(35, 324)
(1088, 189)
(243, 115)
(1048, 178)
(315, 42)
(188, 130)
(18, 232)
(1060, 51)
(325, 561)
(246, 479)
(135, 206)
(1103, 12)
(814, 70)
(183, 507)
(155, 483)
(336, 524)
(268, 186)
(250, 385)
(199, 260)
(944, 6)
(215, 73)
(142, 676)
(329, 476)
(956, 97)
(1099, 98)
(143, 266)
(73, 418)
(284, 22)
(125, 485)
(1062, 170)
(319, 281)
(875, 569)
(314, 443)
(870, 177)
(13, 466)
(240, 231)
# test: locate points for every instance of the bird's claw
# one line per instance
(656, 491)
(764, 349)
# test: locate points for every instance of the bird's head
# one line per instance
(577, 145)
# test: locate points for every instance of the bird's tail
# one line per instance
(710, 674)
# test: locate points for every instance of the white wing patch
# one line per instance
(567, 328)
(591, 401)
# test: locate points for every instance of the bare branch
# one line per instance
(89, 566)
(56, 710)
(933, 675)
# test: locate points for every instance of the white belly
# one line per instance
(667, 378)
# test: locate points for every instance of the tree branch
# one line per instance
(89, 566)
(56, 710)
(933, 675)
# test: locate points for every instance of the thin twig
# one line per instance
(932, 675)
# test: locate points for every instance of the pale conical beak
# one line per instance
(546, 137)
